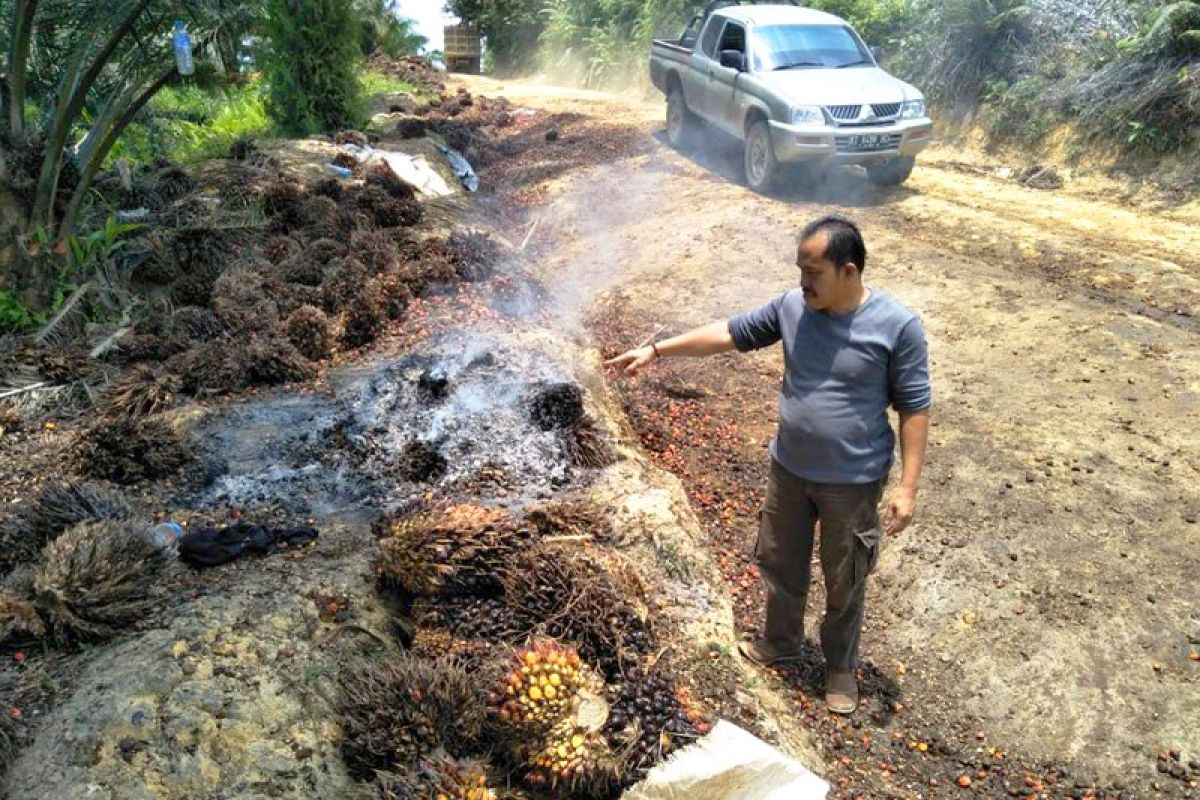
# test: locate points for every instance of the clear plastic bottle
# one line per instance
(182, 42)
(166, 534)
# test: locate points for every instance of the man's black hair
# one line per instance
(845, 242)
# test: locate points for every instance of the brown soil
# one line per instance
(1035, 629)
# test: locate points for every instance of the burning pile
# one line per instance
(261, 312)
(548, 710)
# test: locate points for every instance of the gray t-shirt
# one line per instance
(840, 374)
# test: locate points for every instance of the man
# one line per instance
(849, 351)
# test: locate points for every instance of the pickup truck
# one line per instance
(797, 86)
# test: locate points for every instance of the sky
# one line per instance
(429, 17)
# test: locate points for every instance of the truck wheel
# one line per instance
(681, 123)
(891, 173)
(761, 166)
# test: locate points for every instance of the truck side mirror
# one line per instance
(733, 59)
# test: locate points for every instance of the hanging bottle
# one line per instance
(183, 49)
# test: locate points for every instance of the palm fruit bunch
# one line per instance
(437, 778)
(458, 549)
(142, 391)
(476, 255)
(365, 315)
(310, 331)
(549, 709)
(647, 719)
(583, 594)
(571, 759)
(58, 507)
(487, 618)
(99, 578)
(280, 248)
(397, 711)
(376, 249)
(439, 643)
(128, 451)
(19, 620)
(586, 446)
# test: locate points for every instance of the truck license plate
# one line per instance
(866, 141)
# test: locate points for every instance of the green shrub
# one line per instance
(958, 46)
(190, 124)
(15, 316)
(1019, 112)
(606, 42)
(313, 56)
(1146, 96)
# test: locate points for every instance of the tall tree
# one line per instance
(385, 31)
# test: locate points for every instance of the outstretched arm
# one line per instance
(706, 340)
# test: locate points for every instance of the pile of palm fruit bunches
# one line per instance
(515, 696)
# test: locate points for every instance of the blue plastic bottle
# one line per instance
(183, 49)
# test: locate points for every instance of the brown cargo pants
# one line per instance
(850, 535)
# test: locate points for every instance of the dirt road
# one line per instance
(1036, 629)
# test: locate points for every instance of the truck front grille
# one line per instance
(885, 109)
(869, 143)
(844, 113)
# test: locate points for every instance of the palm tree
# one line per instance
(76, 75)
(385, 31)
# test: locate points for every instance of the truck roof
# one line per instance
(778, 15)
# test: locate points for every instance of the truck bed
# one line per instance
(665, 51)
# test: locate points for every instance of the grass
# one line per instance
(189, 124)
(378, 83)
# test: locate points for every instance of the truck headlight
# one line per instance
(912, 109)
(807, 115)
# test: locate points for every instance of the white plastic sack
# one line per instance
(413, 170)
(729, 764)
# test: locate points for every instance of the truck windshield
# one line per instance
(800, 46)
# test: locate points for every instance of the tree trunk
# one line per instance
(95, 149)
(20, 31)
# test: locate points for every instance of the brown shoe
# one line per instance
(841, 693)
(765, 654)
